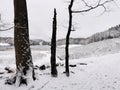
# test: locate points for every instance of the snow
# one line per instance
(96, 72)
(93, 49)
(4, 44)
(71, 46)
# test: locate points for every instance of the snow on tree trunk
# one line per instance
(24, 62)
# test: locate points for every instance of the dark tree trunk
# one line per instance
(24, 62)
(53, 46)
(67, 39)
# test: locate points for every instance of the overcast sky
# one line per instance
(41, 14)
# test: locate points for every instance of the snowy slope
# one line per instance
(93, 73)
(93, 49)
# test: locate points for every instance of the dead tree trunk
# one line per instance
(53, 46)
(67, 39)
(24, 62)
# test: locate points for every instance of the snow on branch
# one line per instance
(90, 7)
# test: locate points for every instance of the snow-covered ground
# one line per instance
(97, 71)
(4, 44)
(93, 49)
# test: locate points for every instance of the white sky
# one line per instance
(41, 14)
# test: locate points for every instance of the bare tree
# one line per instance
(53, 46)
(67, 38)
(71, 12)
(24, 64)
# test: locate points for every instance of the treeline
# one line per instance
(10, 41)
(113, 32)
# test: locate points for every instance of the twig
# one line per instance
(93, 7)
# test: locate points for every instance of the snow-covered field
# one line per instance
(4, 44)
(94, 49)
(96, 67)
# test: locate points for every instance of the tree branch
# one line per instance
(7, 29)
(93, 7)
(11, 28)
(86, 4)
(3, 25)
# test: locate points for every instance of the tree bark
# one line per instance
(53, 46)
(67, 39)
(24, 62)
